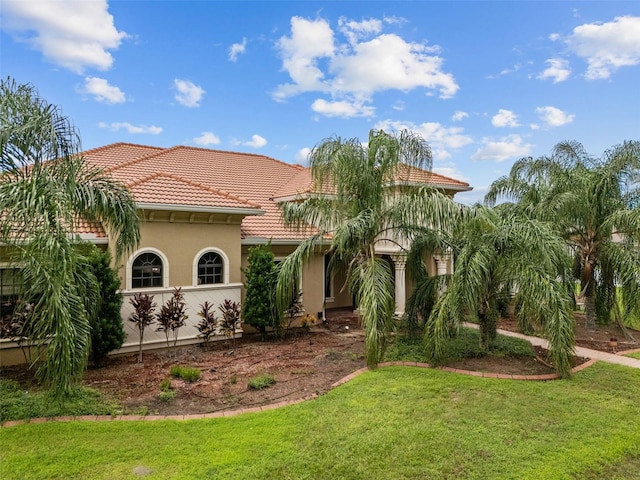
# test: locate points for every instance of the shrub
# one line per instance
(167, 395)
(142, 316)
(172, 316)
(107, 330)
(165, 385)
(260, 283)
(261, 382)
(406, 349)
(230, 318)
(208, 323)
(188, 374)
(466, 345)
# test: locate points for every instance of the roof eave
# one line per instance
(199, 208)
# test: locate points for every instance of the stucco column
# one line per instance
(400, 262)
(442, 263)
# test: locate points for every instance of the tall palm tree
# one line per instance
(497, 253)
(594, 205)
(361, 199)
(46, 192)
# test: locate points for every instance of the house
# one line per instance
(202, 210)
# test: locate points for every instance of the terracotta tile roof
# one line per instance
(247, 177)
(416, 175)
(167, 189)
(89, 229)
(302, 183)
(194, 176)
(111, 155)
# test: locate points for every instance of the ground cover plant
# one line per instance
(394, 422)
(17, 403)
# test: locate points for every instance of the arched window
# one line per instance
(147, 271)
(210, 269)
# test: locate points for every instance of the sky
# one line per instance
(484, 83)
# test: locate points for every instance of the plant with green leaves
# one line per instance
(47, 192)
(497, 252)
(172, 317)
(258, 308)
(364, 196)
(107, 330)
(594, 205)
(142, 316)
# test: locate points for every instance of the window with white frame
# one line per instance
(147, 271)
(11, 287)
(210, 269)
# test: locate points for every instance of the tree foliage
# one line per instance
(594, 205)
(46, 192)
(364, 196)
(107, 330)
(258, 309)
(496, 253)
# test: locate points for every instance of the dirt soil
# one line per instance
(301, 364)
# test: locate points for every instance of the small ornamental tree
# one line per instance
(142, 315)
(208, 323)
(107, 330)
(258, 309)
(230, 318)
(172, 316)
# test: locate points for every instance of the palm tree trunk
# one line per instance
(590, 310)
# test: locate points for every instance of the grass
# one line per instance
(634, 355)
(397, 422)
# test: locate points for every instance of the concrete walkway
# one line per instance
(580, 351)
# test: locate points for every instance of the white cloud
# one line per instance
(342, 108)
(367, 62)
(309, 42)
(459, 115)
(130, 128)
(607, 46)
(188, 93)
(355, 31)
(302, 156)
(505, 118)
(237, 49)
(503, 149)
(558, 70)
(451, 172)
(554, 117)
(102, 91)
(73, 34)
(399, 105)
(441, 139)
(207, 138)
(256, 141)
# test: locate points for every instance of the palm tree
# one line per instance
(362, 199)
(46, 192)
(497, 253)
(594, 205)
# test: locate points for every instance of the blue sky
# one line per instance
(485, 83)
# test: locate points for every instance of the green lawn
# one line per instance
(634, 355)
(393, 423)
